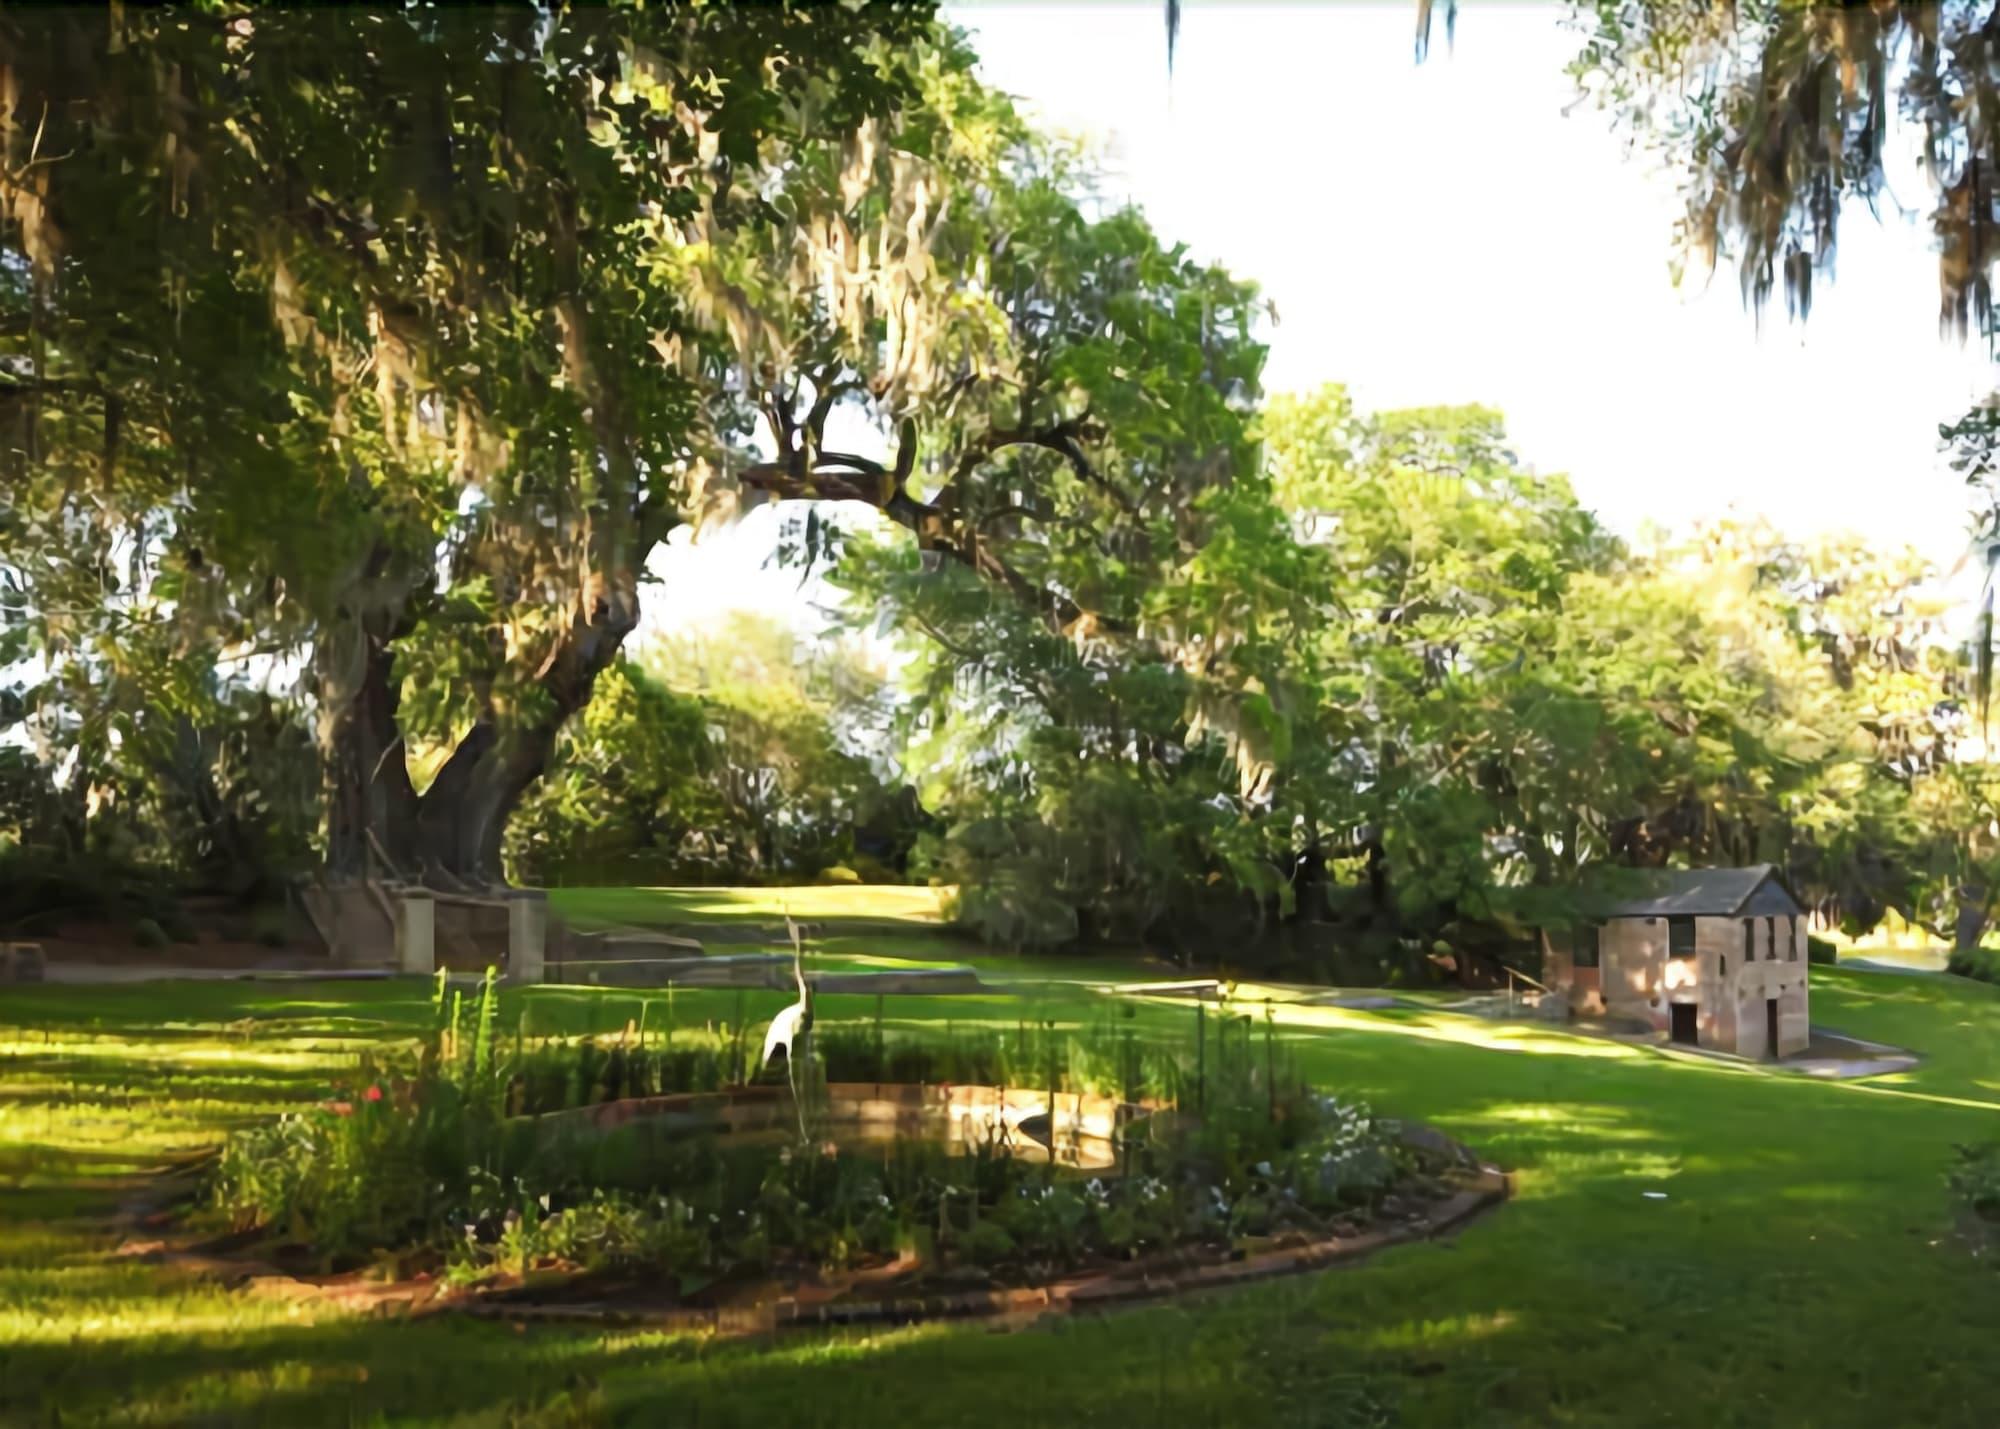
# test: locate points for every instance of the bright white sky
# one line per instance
(1443, 234)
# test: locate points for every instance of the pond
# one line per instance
(1075, 1130)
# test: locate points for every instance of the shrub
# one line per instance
(1819, 950)
(270, 929)
(41, 887)
(392, 1160)
(866, 868)
(1013, 912)
(1982, 964)
(987, 1243)
(148, 933)
(389, 1163)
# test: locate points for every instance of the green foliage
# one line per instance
(429, 1164)
(270, 927)
(1422, 693)
(1819, 950)
(387, 1161)
(729, 755)
(632, 781)
(40, 889)
(1974, 1177)
(419, 293)
(1182, 667)
(1979, 963)
(788, 723)
(400, 1154)
(1791, 120)
(122, 790)
(1794, 118)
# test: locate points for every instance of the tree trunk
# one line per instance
(1381, 903)
(1309, 880)
(461, 821)
(1970, 925)
(440, 813)
(365, 780)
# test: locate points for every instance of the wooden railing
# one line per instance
(1514, 976)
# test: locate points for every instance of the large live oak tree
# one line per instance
(400, 340)
(299, 295)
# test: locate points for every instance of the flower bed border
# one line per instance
(1484, 1186)
(1104, 1291)
(1156, 1277)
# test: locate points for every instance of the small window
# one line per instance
(1749, 940)
(1680, 937)
(1584, 945)
(1722, 965)
(1771, 939)
(1792, 946)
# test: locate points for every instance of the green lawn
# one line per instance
(1799, 1271)
(860, 926)
(832, 904)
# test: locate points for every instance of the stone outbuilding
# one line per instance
(1713, 957)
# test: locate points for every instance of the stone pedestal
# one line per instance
(527, 934)
(416, 935)
(21, 962)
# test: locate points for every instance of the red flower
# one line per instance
(373, 1094)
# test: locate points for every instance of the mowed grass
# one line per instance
(857, 926)
(1800, 1268)
(829, 904)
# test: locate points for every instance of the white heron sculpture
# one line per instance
(791, 1027)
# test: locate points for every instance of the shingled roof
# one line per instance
(1756, 891)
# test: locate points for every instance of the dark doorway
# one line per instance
(1687, 1019)
(1771, 1028)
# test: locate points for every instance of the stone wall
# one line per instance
(1632, 954)
(1783, 978)
(1729, 990)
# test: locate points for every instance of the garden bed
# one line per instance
(531, 1182)
(902, 1292)
(898, 1289)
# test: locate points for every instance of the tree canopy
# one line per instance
(399, 341)
(354, 364)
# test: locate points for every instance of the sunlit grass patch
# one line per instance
(1822, 1199)
(1427, 1334)
(808, 903)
